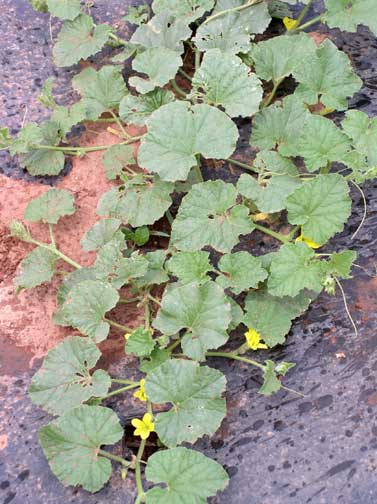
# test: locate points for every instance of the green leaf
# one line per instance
(293, 269)
(202, 310)
(155, 274)
(50, 206)
(46, 97)
(237, 314)
(163, 30)
(190, 266)
(141, 236)
(100, 91)
(79, 39)
(37, 268)
(101, 233)
(321, 142)
(232, 32)
(30, 135)
(39, 5)
(184, 472)
(64, 380)
(210, 216)
(189, 10)
(327, 77)
(67, 117)
(116, 158)
(112, 267)
(280, 125)
(137, 15)
(71, 445)
(140, 343)
(137, 109)
(241, 271)
(157, 357)
(349, 14)
(159, 64)
(363, 133)
(279, 57)
(321, 206)
(86, 305)
(72, 279)
(340, 264)
(272, 316)
(64, 9)
(139, 202)
(195, 393)
(271, 384)
(223, 80)
(177, 132)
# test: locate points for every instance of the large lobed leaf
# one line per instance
(177, 132)
(241, 270)
(195, 393)
(71, 445)
(137, 109)
(348, 14)
(64, 9)
(37, 268)
(50, 206)
(189, 10)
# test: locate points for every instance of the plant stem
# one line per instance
(110, 456)
(231, 355)
(197, 58)
(306, 25)
(293, 231)
(271, 96)
(161, 233)
(197, 169)
(365, 209)
(118, 39)
(274, 234)
(119, 123)
(186, 75)
(174, 345)
(250, 3)
(243, 165)
(83, 150)
(177, 88)
(147, 316)
(120, 390)
(346, 307)
(149, 296)
(139, 484)
(118, 326)
(56, 251)
(129, 301)
(169, 217)
(124, 382)
(52, 237)
(303, 13)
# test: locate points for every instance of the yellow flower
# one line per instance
(140, 393)
(127, 335)
(143, 427)
(289, 23)
(310, 243)
(253, 339)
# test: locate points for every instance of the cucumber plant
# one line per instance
(198, 67)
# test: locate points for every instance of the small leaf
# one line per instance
(71, 445)
(64, 9)
(157, 357)
(327, 77)
(86, 305)
(223, 80)
(177, 132)
(349, 14)
(321, 142)
(39, 5)
(67, 117)
(137, 109)
(163, 30)
(195, 393)
(37, 268)
(242, 272)
(116, 158)
(79, 39)
(155, 275)
(340, 264)
(293, 269)
(210, 216)
(101, 233)
(46, 97)
(140, 343)
(272, 316)
(363, 133)
(271, 384)
(141, 236)
(101, 90)
(138, 203)
(279, 57)
(112, 267)
(50, 206)
(64, 381)
(189, 10)
(202, 310)
(184, 472)
(73, 278)
(321, 206)
(231, 32)
(137, 15)
(190, 266)
(280, 125)
(159, 64)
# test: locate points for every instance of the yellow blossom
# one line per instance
(143, 427)
(140, 393)
(253, 339)
(310, 243)
(127, 335)
(289, 23)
